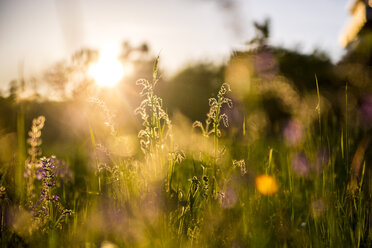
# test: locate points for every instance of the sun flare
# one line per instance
(108, 70)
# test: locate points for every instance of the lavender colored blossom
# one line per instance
(63, 171)
(266, 65)
(228, 198)
(292, 132)
(300, 164)
(48, 174)
(48, 201)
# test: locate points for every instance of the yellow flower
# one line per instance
(266, 185)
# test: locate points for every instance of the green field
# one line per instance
(245, 175)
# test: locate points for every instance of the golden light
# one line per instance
(108, 70)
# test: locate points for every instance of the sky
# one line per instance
(34, 34)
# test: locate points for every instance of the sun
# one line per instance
(108, 70)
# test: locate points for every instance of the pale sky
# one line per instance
(38, 33)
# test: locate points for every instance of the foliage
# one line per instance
(239, 185)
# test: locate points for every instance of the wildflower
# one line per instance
(228, 198)
(266, 185)
(266, 65)
(35, 141)
(48, 176)
(292, 132)
(48, 201)
(33, 164)
(300, 164)
(63, 171)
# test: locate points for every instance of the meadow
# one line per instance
(245, 175)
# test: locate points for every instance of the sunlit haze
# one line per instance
(35, 34)
(107, 71)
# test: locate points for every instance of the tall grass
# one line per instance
(194, 185)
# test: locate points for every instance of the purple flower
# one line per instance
(300, 164)
(48, 200)
(39, 175)
(26, 174)
(266, 65)
(229, 198)
(292, 132)
(63, 171)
